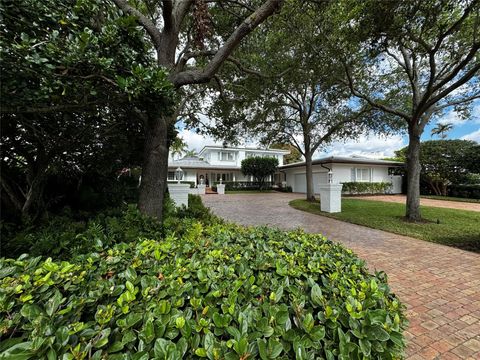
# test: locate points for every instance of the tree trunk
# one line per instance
(16, 199)
(155, 166)
(33, 206)
(413, 170)
(309, 175)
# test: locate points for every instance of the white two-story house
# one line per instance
(217, 162)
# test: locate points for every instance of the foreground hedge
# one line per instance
(219, 292)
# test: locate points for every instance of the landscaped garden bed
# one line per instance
(458, 228)
(197, 289)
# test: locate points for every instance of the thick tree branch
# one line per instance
(464, 79)
(180, 10)
(146, 23)
(198, 76)
(167, 14)
(370, 101)
(457, 102)
(461, 65)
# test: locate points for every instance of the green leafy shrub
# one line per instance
(365, 187)
(287, 189)
(470, 191)
(246, 185)
(261, 168)
(65, 236)
(218, 291)
(195, 211)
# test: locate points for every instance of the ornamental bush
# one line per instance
(216, 291)
(365, 187)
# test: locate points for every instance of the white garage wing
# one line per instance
(301, 182)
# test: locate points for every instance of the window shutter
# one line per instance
(371, 174)
(353, 175)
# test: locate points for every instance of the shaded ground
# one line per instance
(426, 202)
(440, 285)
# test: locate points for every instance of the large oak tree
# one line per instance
(191, 39)
(413, 60)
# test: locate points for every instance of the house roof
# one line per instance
(346, 160)
(191, 162)
(219, 147)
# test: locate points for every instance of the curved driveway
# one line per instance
(440, 285)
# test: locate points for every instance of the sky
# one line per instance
(370, 145)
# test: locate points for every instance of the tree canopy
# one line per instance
(446, 162)
(413, 60)
(261, 168)
(71, 79)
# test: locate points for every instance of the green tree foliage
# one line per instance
(296, 98)
(446, 162)
(73, 55)
(441, 130)
(72, 74)
(178, 147)
(293, 157)
(413, 60)
(261, 168)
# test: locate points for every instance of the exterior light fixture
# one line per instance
(330, 176)
(179, 173)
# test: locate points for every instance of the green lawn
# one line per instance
(449, 198)
(457, 228)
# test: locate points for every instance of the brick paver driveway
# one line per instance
(440, 285)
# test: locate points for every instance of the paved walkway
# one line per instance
(440, 285)
(426, 202)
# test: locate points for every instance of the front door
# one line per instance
(203, 178)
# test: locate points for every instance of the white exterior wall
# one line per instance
(190, 175)
(293, 173)
(341, 173)
(212, 156)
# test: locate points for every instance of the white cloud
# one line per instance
(475, 136)
(452, 117)
(196, 141)
(367, 145)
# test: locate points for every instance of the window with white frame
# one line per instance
(362, 175)
(226, 156)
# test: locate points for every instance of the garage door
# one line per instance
(301, 182)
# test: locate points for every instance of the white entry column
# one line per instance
(331, 197)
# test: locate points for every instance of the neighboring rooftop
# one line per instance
(346, 160)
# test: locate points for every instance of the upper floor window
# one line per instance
(362, 175)
(226, 156)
